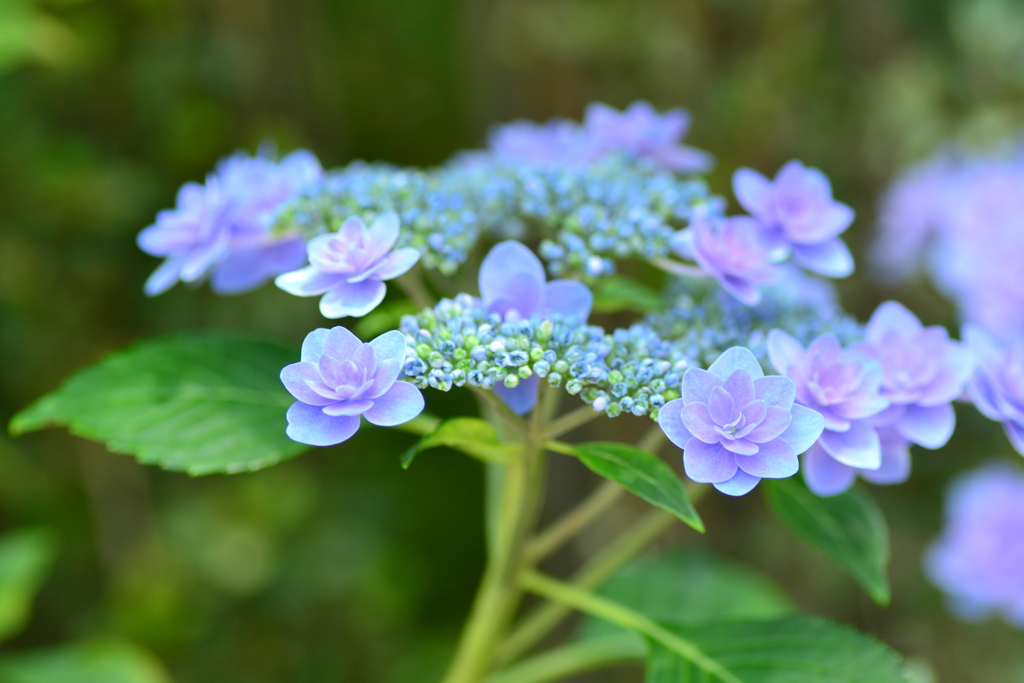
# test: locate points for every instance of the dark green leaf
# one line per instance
(471, 435)
(200, 404)
(101, 661)
(642, 474)
(25, 559)
(849, 528)
(617, 293)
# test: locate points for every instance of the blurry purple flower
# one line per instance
(844, 386)
(512, 283)
(978, 558)
(733, 251)
(557, 142)
(341, 378)
(737, 426)
(642, 132)
(223, 227)
(997, 385)
(826, 476)
(348, 267)
(800, 215)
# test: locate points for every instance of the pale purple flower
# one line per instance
(349, 267)
(341, 378)
(977, 560)
(512, 283)
(558, 142)
(642, 132)
(733, 251)
(800, 216)
(737, 426)
(845, 387)
(222, 228)
(997, 385)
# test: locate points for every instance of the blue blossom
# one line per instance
(558, 142)
(977, 559)
(222, 228)
(348, 267)
(642, 132)
(737, 426)
(997, 385)
(799, 215)
(340, 378)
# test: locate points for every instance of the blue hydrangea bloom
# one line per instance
(349, 267)
(642, 132)
(978, 557)
(800, 216)
(845, 387)
(737, 426)
(997, 385)
(733, 251)
(340, 378)
(558, 142)
(222, 228)
(513, 284)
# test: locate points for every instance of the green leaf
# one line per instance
(792, 650)
(25, 560)
(199, 404)
(642, 474)
(97, 661)
(616, 293)
(849, 528)
(471, 435)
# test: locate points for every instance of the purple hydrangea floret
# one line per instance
(512, 283)
(340, 378)
(222, 228)
(997, 385)
(845, 387)
(737, 426)
(800, 215)
(978, 557)
(349, 267)
(642, 132)
(558, 142)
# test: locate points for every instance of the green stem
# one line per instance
(565, 661)
(560, 531)
(677, 268)
(413, 287)
(571, 421)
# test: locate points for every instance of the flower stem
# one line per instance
(680, 269)
(571, 421)
(552, 538)
(413, 287)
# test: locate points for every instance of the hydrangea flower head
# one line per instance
(800, 215)
(642, 132)
(997, 385)
(340, 378)
(845, 387)
(558, 142)
(349, 267)
(733, 251)
(978, 557)
(737, 426)
(222, 228)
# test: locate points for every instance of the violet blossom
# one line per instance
(340, 378)
(737, 426)
(349, 267)
(557, 142)
(997, 385)
(642, 132)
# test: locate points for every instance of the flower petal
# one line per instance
(165, 276)
(859, 447)
(736, 358)
(784, 351)
(697, 385)
(308, 281)
(307, 424)
(824, 475)
(775, 422)
(567, 297)
(399, 404)
(671, 421)
(295, 378)
(382, 235)
(708, 463)
(776, 390)
(396, 263)
(338, 342)
(740, 446)
(502, 265)
(356, 406)
(522, 294)
(1015, 433)
(389, 350)
(804, 429)
(740, 386)
(860, 406)
(697, 421)
(928, 427)
(522, 398)
(891, 317)
(952, 379)
(753, 191)
(740, 484)
(352, 299)
(773, 460)
(831, 258)
(721, 407)
(895, 467)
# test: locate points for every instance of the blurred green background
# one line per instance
(339, 566)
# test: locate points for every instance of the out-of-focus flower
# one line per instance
(558, 142)
(977, 559)
(733, 251)
(800, 216)
(997, 385)
(642, 132)
(222, 228)
(737, 426)
(845, 387)
(340, 378)
(349, 267)
(513, 284)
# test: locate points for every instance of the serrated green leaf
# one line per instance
(97, 661)
(848, 528)
(617, 293)
(470, 435)
(200, 404)
(642, 474)
(25, 560)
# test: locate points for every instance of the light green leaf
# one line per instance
(25, 560)
(471, 435)
(200, 404)
(97, 661)
(642, 474)
(849, 528)
(617, 293)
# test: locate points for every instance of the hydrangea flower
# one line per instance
(349, 267)
(845, 387)
(513, 284)
(642, 132)
(733, 251)
(222, 228)
(978, 557)
(997, 385)
(340, 378)
(737, 426)
(800, 215)
(558, 142)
